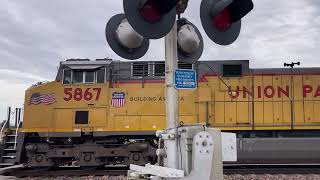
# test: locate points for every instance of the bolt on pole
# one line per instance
(172, 95)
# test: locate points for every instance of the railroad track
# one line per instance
(237, 171)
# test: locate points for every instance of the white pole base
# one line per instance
(200, 157)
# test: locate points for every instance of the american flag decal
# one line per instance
(118, 99)
(46, 99)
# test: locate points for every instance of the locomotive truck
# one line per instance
(105, 112)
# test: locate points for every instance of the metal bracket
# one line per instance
(161, 152)
(160, 132)
(168, 136)
(170, 85)
(182, 6)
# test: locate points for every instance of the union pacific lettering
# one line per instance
(271, 92)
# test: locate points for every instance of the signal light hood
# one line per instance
(123, 40)
(190, 42)
(143, 16)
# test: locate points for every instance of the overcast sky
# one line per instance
(36, 34)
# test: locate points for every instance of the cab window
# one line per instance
(67, 76)
(89, 77)
(100, 75)
(83, 76)
(77, 77)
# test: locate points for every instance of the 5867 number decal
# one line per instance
(78, 94)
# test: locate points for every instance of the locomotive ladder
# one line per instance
(9, 137)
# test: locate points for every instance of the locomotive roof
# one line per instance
(125, 68)
(85, 62)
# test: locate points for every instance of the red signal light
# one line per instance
(151, 11)
(222, 21)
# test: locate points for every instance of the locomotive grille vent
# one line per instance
(159, 68)
(182, 65)
(140, 69)
(232, 70)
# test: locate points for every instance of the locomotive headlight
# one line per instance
(188, 39)
(127, 36)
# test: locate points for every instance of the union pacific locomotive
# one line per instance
(106, 112)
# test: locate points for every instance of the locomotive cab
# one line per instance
(76, 102)
(84, 84)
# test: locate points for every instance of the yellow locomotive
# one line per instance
(106, 112)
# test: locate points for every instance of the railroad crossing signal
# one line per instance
(221, 19)
(128, 35)
(153, 19)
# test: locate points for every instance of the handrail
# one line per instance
(16, 137)
(2, 129)
(5, 124)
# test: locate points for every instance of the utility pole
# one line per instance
(172, 96)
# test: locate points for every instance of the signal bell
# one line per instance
(153, 19)
(221, 19)
(190, 42)
(124, 40)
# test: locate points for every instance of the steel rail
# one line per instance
(24, 172)
(271, 169)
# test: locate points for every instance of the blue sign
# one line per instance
(185, 79)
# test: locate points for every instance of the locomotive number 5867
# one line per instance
(78, 94)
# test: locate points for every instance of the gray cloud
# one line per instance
(36, 34)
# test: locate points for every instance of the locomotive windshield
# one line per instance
(83, 71)
(83, 76)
